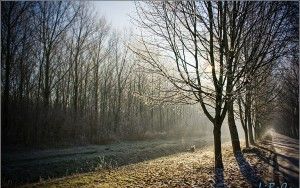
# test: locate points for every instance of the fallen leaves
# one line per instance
(180, 170)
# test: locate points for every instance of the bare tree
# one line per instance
(188, 31)
(267, 44)
(54, 18)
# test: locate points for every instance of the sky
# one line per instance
(116, 12)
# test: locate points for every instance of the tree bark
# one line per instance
(251, 138)
(47, 80)
(248, 118)
(243, 120)
(217, 146)
(233, 130)
(246, 136)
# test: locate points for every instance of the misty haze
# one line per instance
(150, 94)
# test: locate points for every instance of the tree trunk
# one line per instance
(75, 99)
(118, 111)
(233, 130)
(248, 115)
(95, 123)
(251, 138)
(257, 130)
(47, 81)
(217, 145)
(249, 123)
(246, 137)
(243, 120)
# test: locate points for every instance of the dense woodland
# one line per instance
(68, 77)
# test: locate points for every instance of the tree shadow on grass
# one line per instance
(219, 178)
(247, 170)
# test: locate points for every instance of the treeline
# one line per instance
(69, 78)
(287, 111)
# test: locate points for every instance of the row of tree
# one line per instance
(226, 56)
(69, 77)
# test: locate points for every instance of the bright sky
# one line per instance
(116, 12)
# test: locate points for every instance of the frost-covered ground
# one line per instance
(264, 165)
(33, 166)
(162, 163)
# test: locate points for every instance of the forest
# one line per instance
(192, 74)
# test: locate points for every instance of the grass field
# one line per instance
(34, 166)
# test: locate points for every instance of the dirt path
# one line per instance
(287, 150)
(282, 153)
